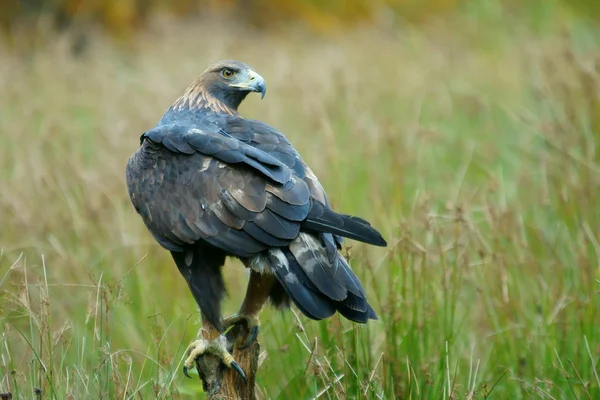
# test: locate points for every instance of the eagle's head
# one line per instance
(233, 78)
(222, 87)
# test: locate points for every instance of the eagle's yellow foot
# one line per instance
(251, 324)
(218, 347)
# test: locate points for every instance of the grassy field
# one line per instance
(473, 144)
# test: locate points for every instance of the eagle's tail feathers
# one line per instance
(355, 315)
(294, 281)
(311, 301)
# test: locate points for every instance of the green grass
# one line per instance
(473, 144)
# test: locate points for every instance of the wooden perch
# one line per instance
(221, 383)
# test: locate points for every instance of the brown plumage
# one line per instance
(210, 184)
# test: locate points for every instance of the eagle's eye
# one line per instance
(227, 73)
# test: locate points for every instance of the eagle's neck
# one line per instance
(198, 97)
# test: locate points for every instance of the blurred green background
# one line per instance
(468, 132)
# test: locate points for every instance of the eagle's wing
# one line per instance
(239, 195)
(191, 184)
(320, 218)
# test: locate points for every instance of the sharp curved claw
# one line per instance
(251, 337)
(185, 372)
(238, 369)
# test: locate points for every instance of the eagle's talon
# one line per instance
(218, 348)
(235, 366)
(185, 372)
(252, 325)
(252, 336)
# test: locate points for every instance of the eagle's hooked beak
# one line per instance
(255, 83)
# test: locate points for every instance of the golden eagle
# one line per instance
(210, 184)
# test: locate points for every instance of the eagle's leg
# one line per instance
(257, 293)
(201, 265)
